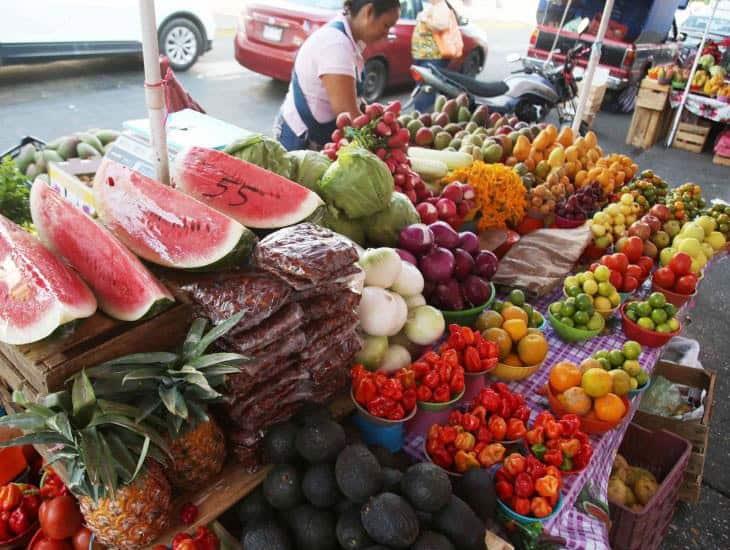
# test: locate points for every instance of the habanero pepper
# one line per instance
(397, 412)
(515, 464)
(535, 436)
(448, 434)
(472, 361)
(553, 457)
(553, 429)
(567, 464)
(505, 411)
(583, 457)
(455, 417)
(431, 357)
(487, 349)
(501, 388)
(481, 413)
(450, 358)
(489, 364)
(542, 417)
(365, 390)
(432, 380)
(456, 338)
(205, 539)
(504, 490)
(470, 422)
(443, 458)
(538, 449)
(479, 446)
(540, 508)
(424, 393)
(535, 468)
(465, 460)
(380, 379)
(521, 506)
(524, 486)
(522, 412)
(19, 521)
(409, 398)
(491, 454)
(457, 382)
(465, 441)
(484, 435)
(570, 447)
(553, 471)
(498, 427)
(570, 424)
(357, 371)
(442, 394)
(380, 407)
(515, 429)
(432, 444)
(392, 389)
(445, 371)
(406, 377)
(468, 335)
(10, 496)
(420, 369)
(490, 399)
(547, 486)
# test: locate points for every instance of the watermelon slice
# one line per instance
(125, 288)
(38, 292)
(165, 226)
(249, 194)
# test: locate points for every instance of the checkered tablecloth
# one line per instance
(580, 531)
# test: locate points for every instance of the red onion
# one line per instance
(449, 297)
(428, 212)
(437, 265)
(446, 208)
(486, 264)
(416, 239)
(463, 264)
(444, 235)
(476, 290)
(453, 192)
(469, 242)
(407, 256)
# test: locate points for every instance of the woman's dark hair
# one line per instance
(380, 7)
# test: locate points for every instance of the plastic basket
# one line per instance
(15, 151)
(666, 456)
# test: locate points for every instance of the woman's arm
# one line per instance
(342, 93)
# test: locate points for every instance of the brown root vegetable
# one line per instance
(617, 490)
(645, 488)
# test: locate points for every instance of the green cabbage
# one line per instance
(339, 223)
(308, 167)
(384, 227)
(262, 151)
(358, 182)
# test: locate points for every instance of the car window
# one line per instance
(409, 9)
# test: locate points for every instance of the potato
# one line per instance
(630, 497)
(617, 490)
(645, 488)
(636, 473)
(620, 462)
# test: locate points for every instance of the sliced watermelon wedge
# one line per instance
(38, 292)
(165, 226)
(247, 193)
(125, 288)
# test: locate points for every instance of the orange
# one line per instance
(597, 382)
(609, 408)
(513, 360)
(576, 401)
(501, 338)
(533, 348)
(565, 375)
(516, 328)
(514, 312)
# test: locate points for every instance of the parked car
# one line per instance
(47, 30)
(270, 34)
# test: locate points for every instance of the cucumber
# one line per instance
(429, 169)
(452, 159)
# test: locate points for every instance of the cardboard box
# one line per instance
(73, 179)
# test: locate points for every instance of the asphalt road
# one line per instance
(49, 100)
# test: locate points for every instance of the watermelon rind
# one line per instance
(164, 225)
(124, 287)
(38, 292)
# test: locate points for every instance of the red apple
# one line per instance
(630, 284)
(686, 284)
(661, 211)
(664, 278)
(635, 271)
(616, 279)
(633, 248)
(621, 243)
(654, 223)
(680, 263)
(640, 229)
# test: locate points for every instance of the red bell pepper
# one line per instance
(406, 377)
(570, 424)
(547, 486)
(553, 429)
(540, 508)
(521, 506)
(491, 454)
(10, 497)
(504, 490)
(498, 427)
(515, 429)
(515, 464)
(524, 486)
(535, 436)
(553, 457)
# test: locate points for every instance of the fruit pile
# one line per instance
(595, 283)
(587, 391)
(699, 239)
(721, 212)
(519, 345)
(631, 486)
(391, 396)
(685, 202)
(623, 365)
(439, 377)
(473, 352)
(676, 276)
(542, 199)
(452, 205)
(647, 189)
(577, 312)
(455, 270)
(581, 204)
(515, 298)
(654, 314)
(610, 172)
(559, 443)
(19, 504)
(527, 486)
(609, 224)
(625, 274)
(649, 229)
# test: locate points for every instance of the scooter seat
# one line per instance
(476, 87)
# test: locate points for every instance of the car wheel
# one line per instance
(181, 42)
(376, 77)
(473, 64)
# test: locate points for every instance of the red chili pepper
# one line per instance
(535, 436)
(448, 434)
(392, 389)
(540, 508)
(397, 412)
(521, 506)
(524, 486)
(19, 522)
(472, 360)
(504, 490)
(406, 377)
(553, 429)
(535, 468)
(522, 412)
(503, 475)
(515, 429)
(490, 399)
(442, 394)
(481, 413)
(542, 417)
(570, 424)
(498, 427)
(424, 393)
(432, 380)
(188, 513)
(455, 418)
(554, 457)
(470, 422)
(515, 464)
(484, 435)
(410, 397)
(457, 383)
(420, 369)
(365, 390)
(10, 496)
(206, 539)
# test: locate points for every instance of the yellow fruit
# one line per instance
(602, 304)
(591, 139)
(516, 328)
(565, 137)
(513, 360)
(565, 375)
(575, 400)
(501, 338)
(557, 157)
(521, 149)
(596, 382)
(532, 348)
(621, 382)
(609, 408)
(716, 240)
(514, 312)
(589, 363)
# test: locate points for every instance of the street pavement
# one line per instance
(48, 100)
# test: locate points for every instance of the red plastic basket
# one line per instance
(672, 297)
(666, 456)
(645, 337)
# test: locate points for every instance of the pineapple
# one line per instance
(173, 390)
(107, 460)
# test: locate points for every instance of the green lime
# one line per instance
(646, 323)
(567, 310)
(601, 354)
(517, 297)
(572, 291)
(537, 319)
(664, 327)
(657, 299)
(631, 349)
(642, 377)
(632, 367)
(671, 309)
(571, 281)
(497, 306)
(632, 315)
(581, 327)
(605, 363)
(616, 358)
(581, 318)
(643, 309)
(659, 316)
(583, 302)
(527, 308)
(567, 321)
(596, 322)
(673, 324)
(555, 308)
(570, 301)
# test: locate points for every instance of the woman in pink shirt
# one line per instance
(327, 75)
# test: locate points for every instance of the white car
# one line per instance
(60, 29)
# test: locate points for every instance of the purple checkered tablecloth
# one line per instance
(580, 531)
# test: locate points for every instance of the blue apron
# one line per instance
(317, 132)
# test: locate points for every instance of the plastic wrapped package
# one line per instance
(340, 303)
(305, 252)
(282, 323)
(354, 281)
(329, 327)
(256, 293)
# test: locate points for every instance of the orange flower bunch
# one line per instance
(500, 194)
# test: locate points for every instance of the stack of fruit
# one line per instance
(473, 352)
(596, 283)
(685, 202)
(575, 318)
(676, 278)
(611, 172)
(515, 298)
(559, 443)
(527, 487)
(610, 224)
(721, 212)
(587, 391)
(542, 199)
(390, 396)
(627, 269)
(581, 204)
(452, 205)
(654, 314)
(648, 189)
(519, 345)
(439, 377)
(700, 240)
(623, 365)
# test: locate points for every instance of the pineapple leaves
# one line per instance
(90, 454)
(57, 400)
(213, 359)
(216, 332)
(36, 438)
(106, 465)
(26, 421)
(83, 399)
(60, 423)
(127, 424)
(198, 412)
(114, 407)
(147, 407)
(193, 338)
(173, 401)
(163, 357)
(124, 462)
(146, 373)
(220, 370)
(142, 456)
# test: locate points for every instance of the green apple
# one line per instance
(693, 230)
(661, 239)
(603, 242)
(691, 246)
(665, 256)
(707, 250)
(672, 227)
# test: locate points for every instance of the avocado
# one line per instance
(390, 520)
(320, 486)
(460, 524)
(476, 488)
(341, 506)
(425, 520)
(426, 486)
(312, 413)
(320, 441)
(377, 547)
(358, 473)
(313, 529)
(254, 508)
(430, 540)
(349, 530)
(385, 457)
(266, 536)
(282, 487)
(279, 445)
(391, 480)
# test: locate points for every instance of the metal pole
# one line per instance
(675, 124)
(591, 68)
(154, 96)
(560, 28)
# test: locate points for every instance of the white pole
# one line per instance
(560, 28)
(153, 89)
(675, 124)
(592, 64)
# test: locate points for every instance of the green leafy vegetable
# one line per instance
(14, 193)
(308, 167)
(383, 228)
(262, 151)
(339, 223)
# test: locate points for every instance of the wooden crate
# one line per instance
(44, 366)
(697, 433)
(652, 95)
(691, 137)
(648, 126)
(722, 161)
(594, 102)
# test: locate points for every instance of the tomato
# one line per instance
(60, 517)
(646, 264)
(82, 538)
(680, 263)
(664, 278)
(633, 248)
(609, 261)
(686, 284)
(45, 543)
(635, 271)
(630, 284)
(621, 261)
(616, 279)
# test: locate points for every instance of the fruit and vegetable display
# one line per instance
(518, 344)
(685, 202)
(19, 508)
(596, 284)
(455, 202)
(577, 313)
(439, 376)
(455, 270)
(611, 223)
(517, 298)
(721, 212)
(647, 188)
(631, 486)
(626, 270)
(625, 359)
(527, 487)
(14, 193)
(654, 314)
(699, 239)
(559, 442)
(676, 276)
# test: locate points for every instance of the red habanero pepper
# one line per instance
(581, 459)
(431, 357)
(443, 458)
(491, 454)
(205, 539)
(472, 361)
(445, 371)
(479, 447)
(424, 393)
(456, 339)
(420, 369)
(465, 460)
(521, 506)
(10, 496)
(183, 541)
(554, 471)
(547, 486)
(468, 335)
(406, 377)
(540, 508)
(489, 364)
(432, 380)
(19, 521)
(481, 413)
(486, 348)
(553, 457)
(505, 411)
(484, 435)
(582, 437)
(442, 394)
(504, 490)
(455, 417)
(503, 475)
(515, 464)
(357, 371)
(450, 357)
(570, 424)
(470, 422)
(535, 468)
(392, 389)
(490, 399)
(365, 390)
(409, 398)
(522, 412)
(380, 407)
(380, 379)
(524, 486)
(465, 441)
(535, 436)
(448, 434)
(397, 412)
(553, 429)
(498, 427)
(515, 429)
(457, 382)
(570, 447)
(501, 388)
(542, 417)
(432, 443)
(31, 503)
